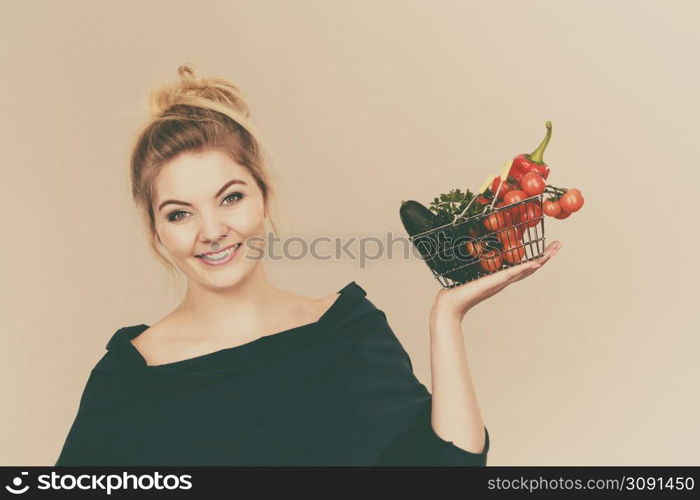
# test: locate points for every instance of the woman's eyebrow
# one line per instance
(218, 193)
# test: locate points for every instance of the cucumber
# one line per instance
(416, 219)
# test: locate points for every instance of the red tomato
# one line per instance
(491, 261)
(505, 187)
(563, 214)
(495, 221)
(509, 215)
(490, 242)
(514, 196)
(530, 214)
(483, 200)
(474, 248)
(514, 254)
(532, 184)
(510, 236)
(572, 200)
(551, 208)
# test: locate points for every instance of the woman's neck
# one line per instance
(242, 309)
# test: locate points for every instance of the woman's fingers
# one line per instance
(467, 295)
(499, 280)
(549, 252)
(524, 270)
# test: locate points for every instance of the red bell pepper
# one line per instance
(525, 163)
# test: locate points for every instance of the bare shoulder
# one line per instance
(151, 340)
(303, 309)
(319, 306)
(166, 340)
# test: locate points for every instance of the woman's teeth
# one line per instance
(215, 257)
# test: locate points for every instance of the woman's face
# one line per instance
(200, 196)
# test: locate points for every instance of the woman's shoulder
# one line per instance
(315, 307)
(151, 343)
(158, 342)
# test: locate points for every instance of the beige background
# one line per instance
(592, 360)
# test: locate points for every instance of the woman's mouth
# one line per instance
(221, 257)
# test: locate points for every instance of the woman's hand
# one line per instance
(455, 302)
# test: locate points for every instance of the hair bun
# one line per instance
(189, 78)
(193, 90)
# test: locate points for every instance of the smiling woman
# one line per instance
(242, 372)
(197, 123)
(208, 205)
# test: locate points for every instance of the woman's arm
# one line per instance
(455, 412)
(456, 415)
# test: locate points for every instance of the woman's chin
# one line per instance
(218, 278)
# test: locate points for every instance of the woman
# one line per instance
(242, 372)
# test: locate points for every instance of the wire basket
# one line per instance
(495, 239)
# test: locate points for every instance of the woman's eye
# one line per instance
(173, 217)
(180, 214)
(236, 194)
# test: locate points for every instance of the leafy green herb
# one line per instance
(447, 206)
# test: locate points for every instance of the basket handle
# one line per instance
(485, 186)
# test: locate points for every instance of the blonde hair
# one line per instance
(193, 114)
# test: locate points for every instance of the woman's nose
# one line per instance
(212, 231)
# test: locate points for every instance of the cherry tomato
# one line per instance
(530, 214)
(483, 200)
(491, 261)
(551, 208)
(514, 196)
(490, 242)
(509, 215)
(563, 214)
(506, 186)
(495, 221)
(510, 236)
(572, 200)
(513, 254)
(532, 184)
(474, 248)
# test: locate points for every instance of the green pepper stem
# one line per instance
(549, 188)
(537, 154)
